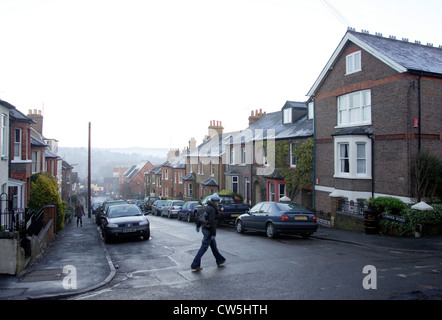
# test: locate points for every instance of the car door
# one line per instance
(249, 218)
(262, 216)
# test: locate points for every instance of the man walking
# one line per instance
(209, 233)
(79, 213)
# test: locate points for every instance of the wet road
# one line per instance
(259, 268)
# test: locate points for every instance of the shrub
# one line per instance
(387, 204)
(44, 190)
(413, 217)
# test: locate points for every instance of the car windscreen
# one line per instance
(290, 206)
(227, 200)
(123, 211)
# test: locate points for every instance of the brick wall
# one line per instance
(394, 105)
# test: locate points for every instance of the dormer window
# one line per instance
(353, 62)
(287, 115)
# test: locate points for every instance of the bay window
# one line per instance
(352, 157)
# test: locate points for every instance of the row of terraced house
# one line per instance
(25, 151)
(375, 105)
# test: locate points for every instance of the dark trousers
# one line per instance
(79, 219)
(207, 241)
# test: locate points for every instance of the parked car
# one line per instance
(102, 209)
(188, 211)
(171, 208)
(228, 208)
(275, 218)
(148, 201)
(95, 207)
(157, 206)
(124, 220)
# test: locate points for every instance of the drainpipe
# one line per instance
(314, 154)
(372, 164)
(419, 108)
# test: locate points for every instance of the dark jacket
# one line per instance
(212, 216)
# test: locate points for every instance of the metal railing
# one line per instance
(34, 222)
(355, 208)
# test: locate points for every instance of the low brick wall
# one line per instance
(12, 255)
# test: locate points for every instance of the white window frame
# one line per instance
(35, 161)
(272, 191)
(4, 136)
(232, 155)
(243, 155)
(235, 182)
(353, 142)
(353, 62)
(354, 105)
(18, 144)
(287, 115)
(281, 194)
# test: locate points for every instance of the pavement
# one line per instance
(77, 261)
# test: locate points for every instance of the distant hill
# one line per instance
(103, 160)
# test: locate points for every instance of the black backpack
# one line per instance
(201, 217)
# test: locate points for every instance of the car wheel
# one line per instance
(189, 217)
(178, 217)
(306, 235)
(239, 226)
(270, 231)
(107, 238)
(168, 215)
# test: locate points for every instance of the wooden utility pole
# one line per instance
(89, 202)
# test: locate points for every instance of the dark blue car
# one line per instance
(275, 218)
(188, 210)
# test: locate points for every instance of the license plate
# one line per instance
(129, 230)
(236, 215)
(300, 217)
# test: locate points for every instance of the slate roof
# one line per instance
(262, 128)
(410, 55)
(6, 104)
(402, 56)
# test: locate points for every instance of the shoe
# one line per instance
(221, 263)
(197, 269)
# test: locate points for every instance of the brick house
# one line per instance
(376, 103)
(20, 159)
(5, 108)
(205, 165)
(248, 168)
(133, 186)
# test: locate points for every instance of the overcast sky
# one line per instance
(153, 73)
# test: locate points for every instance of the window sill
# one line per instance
(349, 176)
(358, 124)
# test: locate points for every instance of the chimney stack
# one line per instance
(256, 116)
(38, 119)
(192, 143)
(215, 128)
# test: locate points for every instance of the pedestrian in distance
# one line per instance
(208, 228)
(79, 213)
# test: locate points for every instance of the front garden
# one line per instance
(398, 219)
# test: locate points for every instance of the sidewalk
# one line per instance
(81, 249)
(428, 244)
(75, 252)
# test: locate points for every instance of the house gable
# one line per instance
(400, 55)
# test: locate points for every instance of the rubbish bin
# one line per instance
(371, 222)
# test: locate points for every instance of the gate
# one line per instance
(10, 219)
